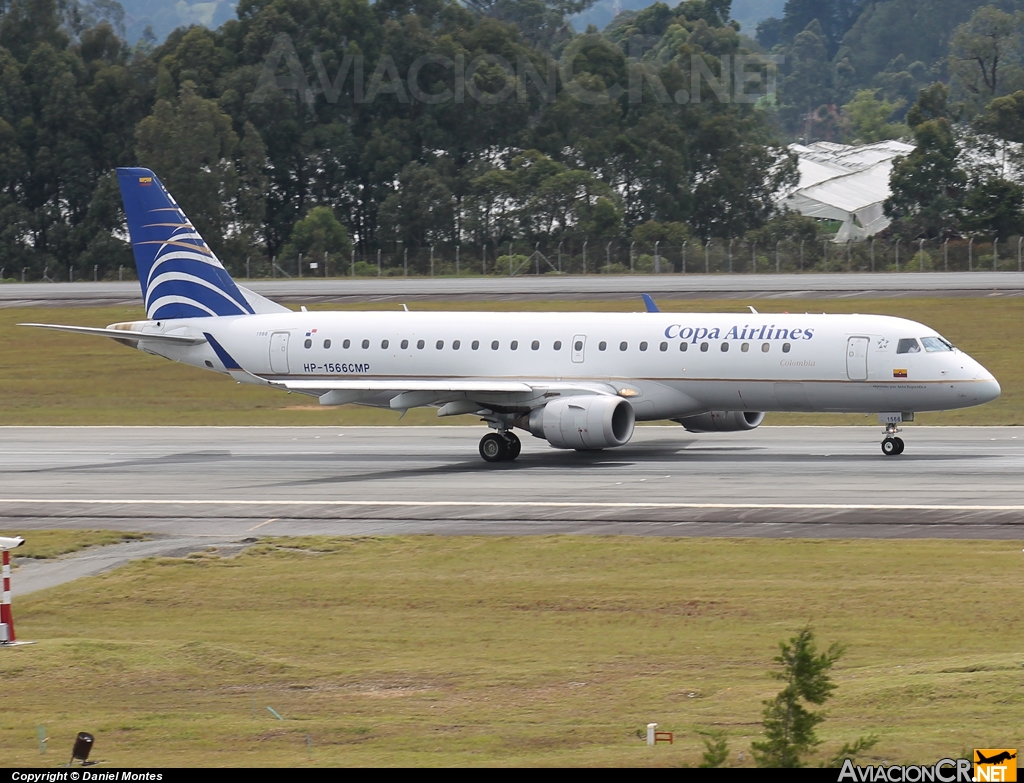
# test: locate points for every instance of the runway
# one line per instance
(233, 483)
(759, 286)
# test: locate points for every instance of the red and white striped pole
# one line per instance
(5, 607)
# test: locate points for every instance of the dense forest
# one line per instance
(488, 135)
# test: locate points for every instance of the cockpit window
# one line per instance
(933, 344)
(908, 345)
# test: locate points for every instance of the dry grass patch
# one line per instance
(515, 651)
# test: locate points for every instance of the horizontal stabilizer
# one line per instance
(123, 334)
(260, 304)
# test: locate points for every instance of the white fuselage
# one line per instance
(738, 362)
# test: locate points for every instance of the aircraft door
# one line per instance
(279, 352)
(579, 344)
(857, 358)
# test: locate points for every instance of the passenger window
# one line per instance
(765, 347)
(623, 346)
(663, 347)
(786, 347)
(494, 345)
(725, 347)
(475, 345)
(643, 346)
(308, 343)
(515, 345)
(535, 345)
(420, 344)
(366, 344)
(456, 344)
(327, 343)
(440, 344)
(405, 344)
(346, 344)
(908, 345)
(684, 347)
(558, 345)
(600, 346)
(745, 347)
(703, 347)
(384, 344)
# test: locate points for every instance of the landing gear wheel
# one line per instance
(493, 447)
(899, 445)
(890, 447)
(514, 445)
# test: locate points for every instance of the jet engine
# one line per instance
(722, 421)
(587, 422)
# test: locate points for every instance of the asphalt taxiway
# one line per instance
(689, 286)
(226, 484)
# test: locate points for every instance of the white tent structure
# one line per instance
(844, 183)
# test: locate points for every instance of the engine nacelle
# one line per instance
(588, 422)
(722, 421)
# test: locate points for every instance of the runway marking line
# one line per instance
(261, 524)
(519, 504)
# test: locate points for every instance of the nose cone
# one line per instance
(986, 386)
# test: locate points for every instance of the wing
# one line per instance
(405, 393)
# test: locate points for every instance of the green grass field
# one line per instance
(54, 378)
(514, 651)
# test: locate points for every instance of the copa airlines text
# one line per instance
(577, 380)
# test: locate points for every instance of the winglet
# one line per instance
(649, 304)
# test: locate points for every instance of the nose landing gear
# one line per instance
(892, 446)
(500, 446)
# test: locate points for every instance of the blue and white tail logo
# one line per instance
(180, 276)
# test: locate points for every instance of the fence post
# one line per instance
(683, 272)
(431, 260)
(995, 254)
(849, 258)
(920, 254)
(898, 255)
(457, 247)
(353, 261)
(1018, 252)
(970, 254)
(657, 258)
(631, 246)
(607, 259)
(824, 255)
(872, 254)
(730, 256)
(778, 263)
(707, 262)
(945, 254)
(379, 269)
(585, 255)
(300, 266)
(753, 256)
(802, 255)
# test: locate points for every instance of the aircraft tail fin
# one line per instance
(181, 277)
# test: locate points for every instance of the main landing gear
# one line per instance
(892, 446)
(500, 446)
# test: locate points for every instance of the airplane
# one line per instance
(577, 380)
(996, 759)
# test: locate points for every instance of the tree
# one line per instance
(866, 119)
(995, 206)
(985, 56)
(788, 724)
(928, 184)
(319, 232)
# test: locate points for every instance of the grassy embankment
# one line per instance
(45, 544)
(514, 651)
(53, 378)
